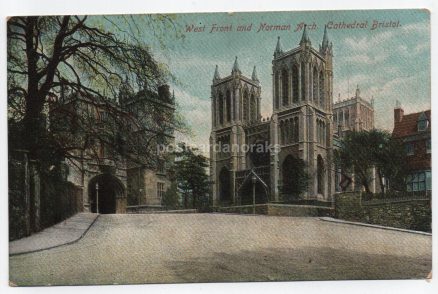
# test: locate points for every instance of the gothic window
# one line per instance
(317, 131)
(323, 134)
(282, 132)
(289, 131)
(347, 117)
(221, 108)
(102, 149)
(228, 106)
(253, 108)
(315, 85)
(285, 86)
(277, 90)
(303, 81)
(296, 129)
(295, 82)
(245, 105)
(321, 89)
(286, 132)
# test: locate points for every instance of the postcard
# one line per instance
(219, 147)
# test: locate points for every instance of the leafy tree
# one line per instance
(391, 162)
(54, 59)
(171, 197)
(363, 150)
(191, 176)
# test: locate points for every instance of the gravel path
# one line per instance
(166, 248)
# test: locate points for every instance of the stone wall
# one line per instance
(413, 213)
(299, 210)
(280, 210)
(141, 209)
(37, 202)
(243, 209)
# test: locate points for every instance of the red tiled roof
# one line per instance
(408, 124)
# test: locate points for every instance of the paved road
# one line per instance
(164, 248)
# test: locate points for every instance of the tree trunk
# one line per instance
(185, 201)
(382, 186)
(33, 124)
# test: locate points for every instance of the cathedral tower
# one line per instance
(302, 115)
(235, 103)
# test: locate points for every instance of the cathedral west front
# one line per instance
(300, 128)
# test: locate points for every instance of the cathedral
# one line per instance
(264, 152)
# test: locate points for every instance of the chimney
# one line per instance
(398, 114)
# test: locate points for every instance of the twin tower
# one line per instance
(300, 128)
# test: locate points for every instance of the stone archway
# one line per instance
(110, 189)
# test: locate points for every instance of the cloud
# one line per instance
(366, 58)
(368, 43)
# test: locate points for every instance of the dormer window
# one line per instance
(422, 123)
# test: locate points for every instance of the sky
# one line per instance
(388, 63)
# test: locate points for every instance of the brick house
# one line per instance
(414, 130)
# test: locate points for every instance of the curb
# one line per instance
(339, 221)
(59, 245)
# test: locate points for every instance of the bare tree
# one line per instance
(72, 72)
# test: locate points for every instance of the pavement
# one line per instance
(184, 248)
(66, 232)
(340, 221)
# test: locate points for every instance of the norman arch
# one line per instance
(103, 192)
